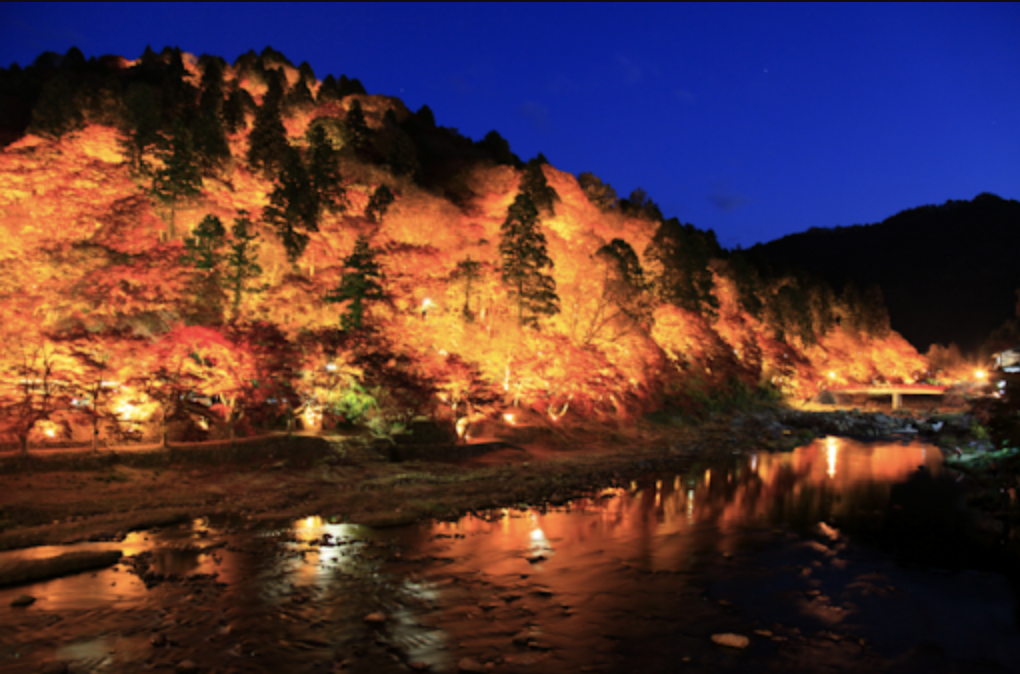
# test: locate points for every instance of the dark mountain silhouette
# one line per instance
(949, 273)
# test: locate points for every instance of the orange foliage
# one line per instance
(96, 256)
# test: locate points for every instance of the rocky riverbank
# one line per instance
(70, 497)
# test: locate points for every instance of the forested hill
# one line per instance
(181, 225)
(949, 273)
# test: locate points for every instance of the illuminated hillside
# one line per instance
(125, 302)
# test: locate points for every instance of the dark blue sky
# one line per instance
(756, 121)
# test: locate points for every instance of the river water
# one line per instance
(839, 556)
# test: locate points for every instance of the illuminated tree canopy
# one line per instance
(122, 286)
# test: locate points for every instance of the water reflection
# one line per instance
(661, 521)
(616, 581)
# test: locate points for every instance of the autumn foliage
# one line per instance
(373, 277)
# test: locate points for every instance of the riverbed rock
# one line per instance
(158, 640)
(31, 570)
(471, 666)
(23, 600)
(54, 668)
(731, 640)
(186, 667)
(376, 618)
(522, 638)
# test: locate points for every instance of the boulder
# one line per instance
(31, 570)
(731, 640)
(23, 600)
(471, 666)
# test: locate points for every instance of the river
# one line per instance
(839, 556)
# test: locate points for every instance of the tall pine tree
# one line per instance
(293, 208)
(468, 271)
(356, 132)
(525, 263)
(267, 143)
(203, 250)
(179, 180)
(141, 126)
(324, 171)
(56, 112)
(534, 184)
(360, 282)
(210, 135)
(236, 108)
(379, 203)
(241, 262)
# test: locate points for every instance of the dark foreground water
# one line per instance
(841, 556)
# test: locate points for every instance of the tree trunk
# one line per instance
(23, 441)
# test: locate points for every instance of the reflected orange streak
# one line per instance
(790, 482)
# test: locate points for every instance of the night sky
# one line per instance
(755, 121)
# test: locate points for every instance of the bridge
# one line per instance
(897, 392)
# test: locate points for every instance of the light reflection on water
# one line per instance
(671, 521)
(597, 566)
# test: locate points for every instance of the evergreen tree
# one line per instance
(360, 282)
(347, 87)
(270, 57)
(468, 271)
(241, 262)
(681, 254)
(73, 59)
(402, 156)
(177, 95)
(600, 194)
(150, 60)
(329, 92)
(203, 250)
(293, 208)
(379, 203)
(140, 130)
(324, 171)
(250, 66)
(210, 135)
(498, 148)
(267, 142)
(747, 279)
(524, 259)
(356, 131)
(425, 116)
(640, 205)
(236, 108)
(179, 180)
(56, 113)
(307, 74)
(298, 99)
(534, 184)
